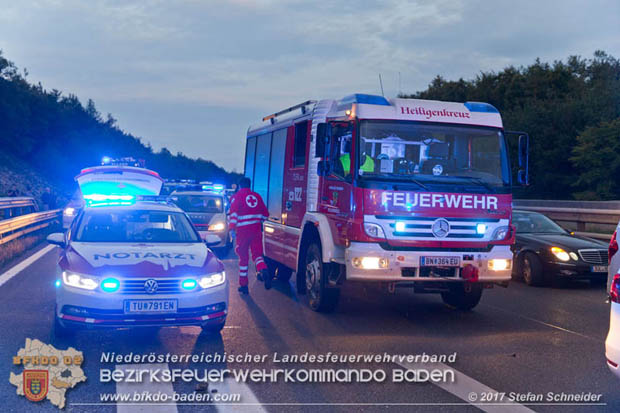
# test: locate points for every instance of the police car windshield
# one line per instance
(431, 152)
(135, 226)
(199, 203)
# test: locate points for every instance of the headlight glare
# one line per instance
(212, 280)
(219, 226)
(560, 254)
(79, 281)
(69, 211)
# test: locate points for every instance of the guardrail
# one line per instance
(589, 218)
(13, 228)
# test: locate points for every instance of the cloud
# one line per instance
(240, 59)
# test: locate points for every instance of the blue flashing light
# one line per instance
(218, 187)
(400, 226)
(57, 283)
(189, 284)
(363, 98)
(481, 228)
(110, 285)
(480, 107)
(106, 160)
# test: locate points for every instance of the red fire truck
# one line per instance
(406, 192)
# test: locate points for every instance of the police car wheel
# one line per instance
(321, 298)
(213, 328)
(461, 298)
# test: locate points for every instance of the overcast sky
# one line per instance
(192, 75)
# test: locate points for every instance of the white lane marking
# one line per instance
(12, 272)
(145, 387)
(248, 399)
(464, 386)
(543, 323)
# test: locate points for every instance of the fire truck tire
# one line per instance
(461, 299)
(320, 297)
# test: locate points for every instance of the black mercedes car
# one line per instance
(544, 251)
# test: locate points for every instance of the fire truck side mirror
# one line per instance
(324, 168)
(323, 134)
(524, 146)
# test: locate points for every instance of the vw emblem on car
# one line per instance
(441, 228)
(150, 286)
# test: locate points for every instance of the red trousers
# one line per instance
(249, 240)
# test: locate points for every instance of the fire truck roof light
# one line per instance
(480, 107)
(363, 98)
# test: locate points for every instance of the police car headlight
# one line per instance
(212, 280)
(373, 230)
(219, 226)
(79, 281)
(500, 233)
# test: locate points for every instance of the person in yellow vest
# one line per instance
(367, 166)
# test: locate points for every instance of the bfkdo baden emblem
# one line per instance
(35, 384)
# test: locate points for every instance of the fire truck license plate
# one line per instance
(150, 306)
(440, 261)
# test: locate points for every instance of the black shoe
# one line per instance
(259, 277)
(243, 290)
(267, 277)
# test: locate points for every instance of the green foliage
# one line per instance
(58, 136)
(554, 103)
(597, 156)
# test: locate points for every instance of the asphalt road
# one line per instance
(520, 339)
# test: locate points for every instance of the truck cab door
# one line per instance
(337, 190)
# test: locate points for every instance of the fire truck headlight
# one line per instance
(481, 228)
(79, 281)
(212, 280)
(373, 230)
(218, 226)
(370, 263)
(69, 211)
(500, 233)
(499, 264)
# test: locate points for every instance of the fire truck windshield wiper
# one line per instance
(400, 176)
(477, 181)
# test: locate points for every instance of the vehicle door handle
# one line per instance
(289, 205)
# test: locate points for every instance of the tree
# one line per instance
(596, 156)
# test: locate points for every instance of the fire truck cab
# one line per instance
(406, 192)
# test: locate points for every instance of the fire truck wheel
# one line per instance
(531, 269)
(459, 298)
(321, 298)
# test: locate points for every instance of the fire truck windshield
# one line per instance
(433, 153)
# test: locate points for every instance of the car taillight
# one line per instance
(613, 246)
(614, 291)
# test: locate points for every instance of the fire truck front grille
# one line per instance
(422, 228)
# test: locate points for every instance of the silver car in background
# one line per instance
(207, 211)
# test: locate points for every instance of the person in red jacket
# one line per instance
(245, 220)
